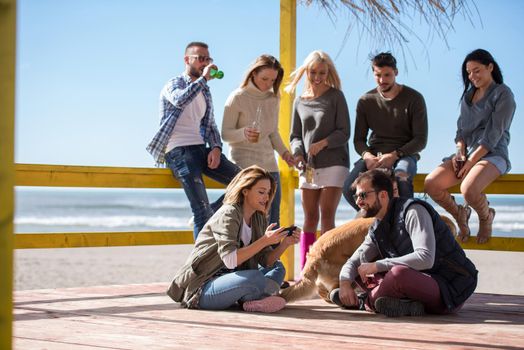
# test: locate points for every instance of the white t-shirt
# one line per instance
(230, 260)
(187, 128)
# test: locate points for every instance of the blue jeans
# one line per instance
(224, 291)
(188, 164)
(274, 211)
(407, 164)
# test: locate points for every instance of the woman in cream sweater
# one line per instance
(254, 138)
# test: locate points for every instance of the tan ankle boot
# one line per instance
(464, 212)
(486, 216)
(460, 213)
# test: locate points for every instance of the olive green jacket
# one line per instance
(219, 237)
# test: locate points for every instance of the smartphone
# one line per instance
(290, 230)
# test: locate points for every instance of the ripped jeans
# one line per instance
(188, 164)
(243, 285)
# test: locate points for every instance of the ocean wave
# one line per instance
(509, 208)
(134, 205)
(508, 227)
(105, 221)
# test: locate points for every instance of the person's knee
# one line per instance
(433, 186)
(277, 272)
(279, 266)
(398, 271)
(429, 185)
(399, 274)
(469, 193)
(402, 175)
(404, 184)
(203, 210)
(265, 285)
(255, 280)
(312, 216)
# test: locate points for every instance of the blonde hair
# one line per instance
(264, 62)
(246, 179)
(314, 57)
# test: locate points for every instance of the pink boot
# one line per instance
(306, 240)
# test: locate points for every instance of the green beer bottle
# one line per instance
(215, 73)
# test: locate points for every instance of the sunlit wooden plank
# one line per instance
(94, 176)
(288, 179)
(101, 239)
(506, 184)
(7, 172)
(508, 244)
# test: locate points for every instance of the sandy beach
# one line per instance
(500, 272)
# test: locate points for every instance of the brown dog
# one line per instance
(328, 254)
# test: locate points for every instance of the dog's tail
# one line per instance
(304, 288)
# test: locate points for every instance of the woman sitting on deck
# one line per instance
(233, 261)
(487, 109)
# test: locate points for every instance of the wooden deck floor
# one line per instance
(143, 317)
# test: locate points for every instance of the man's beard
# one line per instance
(194, 72)
(386, 89)
(371, 211)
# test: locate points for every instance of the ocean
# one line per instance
(40, 209)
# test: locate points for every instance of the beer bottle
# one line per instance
(215, 73)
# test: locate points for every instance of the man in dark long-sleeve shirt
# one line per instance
(397, 119)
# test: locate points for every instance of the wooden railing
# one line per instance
(111, 177)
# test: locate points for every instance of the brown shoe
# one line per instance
(486, 227)
(464, 212)
(393, 307)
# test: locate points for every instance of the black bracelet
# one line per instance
(400, 154)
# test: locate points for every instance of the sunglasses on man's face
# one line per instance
(362, 195)
(201, 59)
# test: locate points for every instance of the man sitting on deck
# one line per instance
(391, 128)
(409, 263)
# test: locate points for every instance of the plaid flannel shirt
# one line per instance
(175, 96)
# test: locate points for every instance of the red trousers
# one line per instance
(404, 282)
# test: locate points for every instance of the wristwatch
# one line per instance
(400, 153)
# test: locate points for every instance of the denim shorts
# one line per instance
(498, 161)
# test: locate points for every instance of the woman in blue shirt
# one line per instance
(482, 138)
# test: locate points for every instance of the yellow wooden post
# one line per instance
(288, 25)
(7, 171)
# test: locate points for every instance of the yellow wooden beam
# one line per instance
(7, 172)
(124, 177)
(95, 176)
(506, 184)
(288, 177)
(508, 244)
(101, 239)
(114, 239)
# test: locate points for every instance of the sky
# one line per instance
(89, 72)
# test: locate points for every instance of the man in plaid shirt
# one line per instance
(188, 141)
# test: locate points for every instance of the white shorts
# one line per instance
(333, 176)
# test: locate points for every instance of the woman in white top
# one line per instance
(257, 101)
(235, 257)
